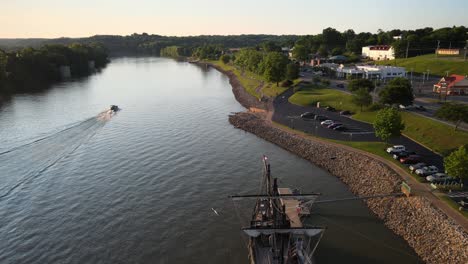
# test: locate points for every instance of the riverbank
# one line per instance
(242, 96)
(433, 236)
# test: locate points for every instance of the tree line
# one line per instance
(19, 69)
(274, 66)
(419, 41)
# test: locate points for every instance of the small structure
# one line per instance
(378, 52)
(338, 58)
(452, 85)
(370, 72)
(452, 52)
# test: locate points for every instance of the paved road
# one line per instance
(289, 115)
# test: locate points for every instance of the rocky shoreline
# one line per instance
(433, 236)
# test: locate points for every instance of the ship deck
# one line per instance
(292, 206)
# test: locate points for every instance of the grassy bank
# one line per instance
(436, 65)
(436, 135)
(253, 83)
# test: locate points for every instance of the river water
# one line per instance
(140, 187)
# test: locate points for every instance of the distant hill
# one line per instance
(152, 44)
(436, 65)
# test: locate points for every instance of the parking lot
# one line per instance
(290, 115)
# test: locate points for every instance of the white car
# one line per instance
(414, 167)
(326, 122)
(396, 149)
(437, 177)
(426, 171)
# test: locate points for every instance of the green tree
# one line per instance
(292, 71)
(388, 124)
(300, 52)
(455, 113)
(270, 46)
(456, 164)
(357, 84)
(322, 50)
(397, 91)
(225, 58)
(274, 66)
(336, 51)
(362, 97)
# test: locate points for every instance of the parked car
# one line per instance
(395, 149)
(416, 166)
(411, 159)
(334, 125)
(331, 109)
(320, 118)
(326, 122)
(426, 171)
(437, 177)
(340, 128)
(419, 107)
(345, 112)
(403, 154)
(308, 115)
(340, 85)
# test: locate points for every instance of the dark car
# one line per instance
(334, 125)
(420, 108)
(320, 118)
(411, 159)
(403, 154)
(345, 112)
(340, 128)
(331, 109)
(308, 115)
(340, 85)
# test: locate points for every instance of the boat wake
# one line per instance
(24, 163)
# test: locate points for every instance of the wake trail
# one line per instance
(24, 163)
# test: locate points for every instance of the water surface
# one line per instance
(140, 187)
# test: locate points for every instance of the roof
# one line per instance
(452, 79)
(338, 57)
(379, 47)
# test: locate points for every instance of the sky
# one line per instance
(83, 18)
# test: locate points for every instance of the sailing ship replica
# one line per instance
(276, 233)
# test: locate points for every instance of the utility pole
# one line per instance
(466, 47)
(437, 49)
(411, 76)
(407, 48)
(428, 73)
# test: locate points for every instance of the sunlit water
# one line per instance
(140, 187)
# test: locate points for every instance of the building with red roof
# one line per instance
(452, 85)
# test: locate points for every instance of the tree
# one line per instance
(292, 71)
(336, 51)
(270, 46)
(455, 113)
(362, 98)
(225, 58)
(357, 84)
(274, 67)
(456, 164)
(397, 91)
(388, 124)
(322, 50)
(300, 52)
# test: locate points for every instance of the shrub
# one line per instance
(286, 83)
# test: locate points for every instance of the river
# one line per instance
(140, 187)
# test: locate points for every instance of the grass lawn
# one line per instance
(435, 135)
(436, 65)
(252, 81)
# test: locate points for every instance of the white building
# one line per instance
(370, 72)
(379, 52)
